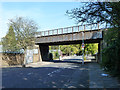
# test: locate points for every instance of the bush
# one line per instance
(13, 58)
(56, 55)
(50, 56)
(110, 54)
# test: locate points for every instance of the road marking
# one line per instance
(55, 71)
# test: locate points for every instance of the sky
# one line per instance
(48, 15)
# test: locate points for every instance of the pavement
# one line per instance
(99, 81)
(38, 64)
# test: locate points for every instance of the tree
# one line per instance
(9, 42)
(93, 12)
(77, 49)
(25, 30)
(0, 43)
(66, 49)
(109, 13)
(91, 48)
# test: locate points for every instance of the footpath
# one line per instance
(92, 76)
(38, 64)
(97, 80)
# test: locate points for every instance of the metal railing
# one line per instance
(72, 29)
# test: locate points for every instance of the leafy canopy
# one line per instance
(9, 42)
(93, 12)
(25, 30)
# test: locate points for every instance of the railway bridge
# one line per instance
(90, 33)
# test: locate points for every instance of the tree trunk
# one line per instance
(24, 62)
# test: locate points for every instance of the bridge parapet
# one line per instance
(68, 30)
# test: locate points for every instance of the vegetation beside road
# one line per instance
(21, 34)
(75, 49)
(109, 13)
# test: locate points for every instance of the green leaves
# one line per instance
(94, 12)
(76, 49)
(111, 53)
(21, 34)
(91, 48)
(9, 42)
(25, 30)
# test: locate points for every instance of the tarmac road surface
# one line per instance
(54, 75)
(68, 73)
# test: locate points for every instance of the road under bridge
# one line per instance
(66, 36)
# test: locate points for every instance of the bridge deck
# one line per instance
(70, 35)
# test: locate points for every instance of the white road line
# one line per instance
(55, 71)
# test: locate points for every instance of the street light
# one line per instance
(83, 48)
(83, 45)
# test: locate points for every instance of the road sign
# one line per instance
(83, 45)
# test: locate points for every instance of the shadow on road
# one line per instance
(77, 61)
(40, 77)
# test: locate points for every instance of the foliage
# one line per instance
(50, 56)
(76, 49)
(69, 49)
(25, 30)
(55, 55)
(93, 12)
(109, 13)
(9, 42)
(0, 43)
(91, 48)
(13, 58)
(111, 53)
(66, 49)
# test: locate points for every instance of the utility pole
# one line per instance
(83, 46)
(59, 52)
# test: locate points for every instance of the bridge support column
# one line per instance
(43, 52)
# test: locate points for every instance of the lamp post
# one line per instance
(83, 45)
(83, 48)
(59, 52)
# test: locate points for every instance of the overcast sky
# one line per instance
(48, 15)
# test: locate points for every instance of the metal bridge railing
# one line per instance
(72, 29)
